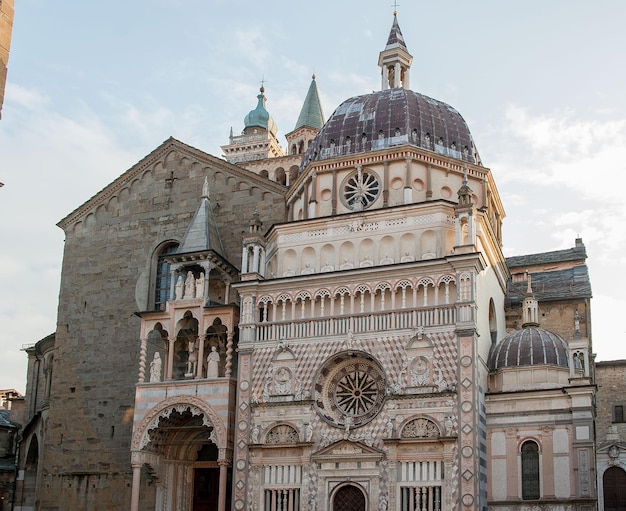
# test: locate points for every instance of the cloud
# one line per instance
(253, 46)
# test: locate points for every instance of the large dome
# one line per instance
(393, 117)
(530, 346)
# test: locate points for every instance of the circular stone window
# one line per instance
(360, 190)
(350, 389)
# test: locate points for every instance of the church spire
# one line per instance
(530, 312)
(311, 114)
(202, 233)
(395, 60)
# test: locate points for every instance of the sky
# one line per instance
(95, 86)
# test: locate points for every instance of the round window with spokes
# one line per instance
(350, 389)
(360, 189)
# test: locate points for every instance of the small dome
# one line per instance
(260, 117)
(530, 346)
(389, 118)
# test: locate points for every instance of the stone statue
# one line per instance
(213, 363)
(448, 425)
(190, 286)
(348, 424)
(200, 286)
(155, 367)
(192, 360)
(254, 434)
(308, 432)
(179, 287)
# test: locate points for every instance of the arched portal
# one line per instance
(614, 485)
(31, 467)
(183, 439)
(348, 498)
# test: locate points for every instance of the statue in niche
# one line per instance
(190, 286)
(213, 363)
(282, 381)
(391, 75)
(308, 432)
(579, 360)
(576, 321)
(192, 359)
(298, 392)
(254, 434)
(200, 286)
(179, 287)
(155, 368)
(448, 425)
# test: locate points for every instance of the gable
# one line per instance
(172, 161)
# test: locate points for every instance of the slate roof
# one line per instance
(202, 233)
(4, 420)
(551, 283)
(396, 39)
(570, 283)
(390, 118)
(311, 114)
(530, 346)
(577, 253)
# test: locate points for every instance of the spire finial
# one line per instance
(529, 289)
(205, 187)
(395, 7)
(262, 89)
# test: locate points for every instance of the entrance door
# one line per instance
(206, 487)
(349, 498)
(614, 480)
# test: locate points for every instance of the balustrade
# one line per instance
(362, 322)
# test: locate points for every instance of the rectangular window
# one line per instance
(618, 413)
(282, 499)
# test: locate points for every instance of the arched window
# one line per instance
(530, 471)
(162, 275)
(493, 324)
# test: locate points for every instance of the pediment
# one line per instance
(347, 449)
(171, 150)
(608, 447)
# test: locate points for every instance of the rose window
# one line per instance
(360, 190)
(350, 388)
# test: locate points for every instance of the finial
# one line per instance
(465, 176)
(262, 89)
(313, 77)
(205, 187)
(395, 7)
(529, 289)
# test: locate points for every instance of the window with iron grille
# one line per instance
(530, 471)
(420, 498)
(421, 483)
(282, 499)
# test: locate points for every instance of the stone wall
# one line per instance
(110, 243)
(610, 377)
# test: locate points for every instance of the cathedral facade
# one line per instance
(330, 327)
